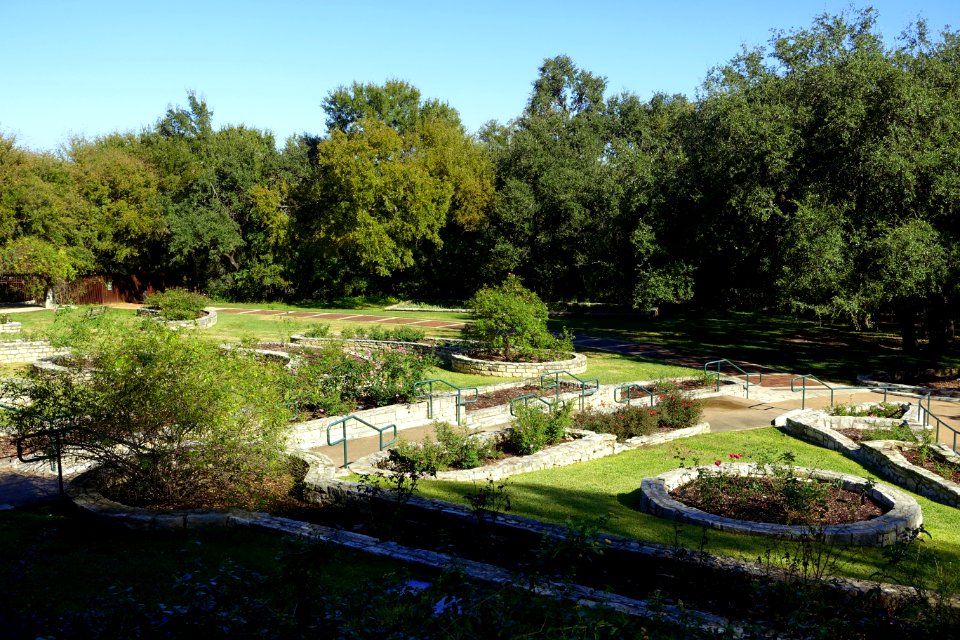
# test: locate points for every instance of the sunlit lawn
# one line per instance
(584, 492)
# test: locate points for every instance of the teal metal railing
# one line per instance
(532, 396)
(625, 395)
(461, 401)
(588, 387)
(342, 423)
(54, 446)
(803, 389)
(746, 375)
(927, 414)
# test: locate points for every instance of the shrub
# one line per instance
(878, 410)
(454, 448)
(168, 417)
(318, 330)
(404, 333)
(511, 320)
(178, 304)
(534, 429)
(676, 409)
(626, 422)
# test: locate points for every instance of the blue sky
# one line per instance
(92, 67)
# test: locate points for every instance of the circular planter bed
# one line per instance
(901, 518)
(207, 318)
(462, 363)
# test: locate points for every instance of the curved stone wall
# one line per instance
(208, 319)
(10, 327)
(465, 364)
(902, 519)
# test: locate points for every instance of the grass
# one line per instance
(610, 486)
(611, 368)
(830, 351)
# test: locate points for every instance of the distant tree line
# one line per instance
(820, 174)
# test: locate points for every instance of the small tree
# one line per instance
(512, 320)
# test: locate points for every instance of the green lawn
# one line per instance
(610, 486)
(830, 351)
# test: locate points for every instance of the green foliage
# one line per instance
(512, 320)
(178, 304)
(336, 379)
(534, 429)
(676, 409)
(371, 331)
(626, 422)
(168, 416)
(317, 330)
(454, 448)
(901, 432)
(874, 410)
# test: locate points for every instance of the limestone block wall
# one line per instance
(17, 351)
(885, 456)
(465, 364)
(10, 327)
(206, 320)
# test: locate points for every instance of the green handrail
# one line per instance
(461, 402)
(532, 396)
(625, 389)
(54, 451)
(747, 383)
(927, 414)
(343, 424)
(803, 389)
(584, 389)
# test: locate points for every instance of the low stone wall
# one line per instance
(10, 327)
(15, 351)
(205, 321)
(884, 455)
(441, 351)
(900, 522)
(465, 364)
(880, 379)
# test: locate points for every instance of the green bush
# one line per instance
(676, 408)
(626, 422)
(454, 448)
(318, 330)
(178, 304)
(533, 428)
(878, 410)
(167, 416)
(511, 321)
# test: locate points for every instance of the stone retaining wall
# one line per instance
(465, 364)
(15, 351)
(899, 522)
(441, 351)
(10, 327)
(885, 456)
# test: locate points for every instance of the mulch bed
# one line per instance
(854, 434)
(756, 500)
(944, 469)
(503, 396)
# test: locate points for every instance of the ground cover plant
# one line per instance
(878, 410)
(400, 333)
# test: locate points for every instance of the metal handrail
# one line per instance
(803, 389)
(625, 388)
(54, 452)
(747, 383)
(927, 414)
(532, 396)
(585, 390)
(343, 424)
(461, 402)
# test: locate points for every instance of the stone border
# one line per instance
(901, 521)
(819, 429)
(203, 322)
(588, 445)
(886, 456)
(10, 327)
(24, 351)
(465, 364)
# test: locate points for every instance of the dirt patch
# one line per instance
(931, 462)
(503, 396)
(759, 500)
